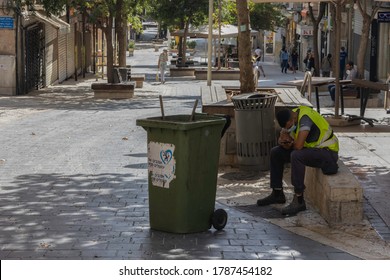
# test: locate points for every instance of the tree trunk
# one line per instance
(361, 55)
(315, 50)
(316, 23)
(110, 50)
(244, 48)
(187, 25)
(180, 44)
(120, 29)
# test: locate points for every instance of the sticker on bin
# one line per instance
(161, 163)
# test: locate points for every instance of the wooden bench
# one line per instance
(338, 198)
(290, 98)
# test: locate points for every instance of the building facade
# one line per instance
(37, 50)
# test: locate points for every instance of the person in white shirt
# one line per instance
(162, 64)
(349, 74)
(257, 64)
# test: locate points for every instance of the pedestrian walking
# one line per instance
(306, 139)
(343, 60)
(294, 60)
(162, 64)
(284, 56)
(326, 65)
(257, 63)
(311, 64)
(258, 52)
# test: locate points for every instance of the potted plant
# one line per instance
(131, 47)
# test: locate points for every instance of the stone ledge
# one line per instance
(182, 71)
(232, 74)
(113, 91)
(138, 79)
(338, 198)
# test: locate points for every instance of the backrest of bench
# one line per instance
(212, 94)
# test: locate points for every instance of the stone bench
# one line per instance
(182, 71)
(138, 79)
(231, 74)
(113, 91)
(338, 198)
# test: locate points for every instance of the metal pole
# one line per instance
(209, 43)
(338, 5)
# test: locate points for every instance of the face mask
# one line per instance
(291, 129)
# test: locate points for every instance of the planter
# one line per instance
(113, 91)
(201, 74)
(182, 71)
(131, 52)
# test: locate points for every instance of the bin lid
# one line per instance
(182, 122)
(254, 101)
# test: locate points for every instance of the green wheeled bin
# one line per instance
(183, 159)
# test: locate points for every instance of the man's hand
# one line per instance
(285, 140)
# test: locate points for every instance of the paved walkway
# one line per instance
(73, 184)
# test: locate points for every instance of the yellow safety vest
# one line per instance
(326, 139)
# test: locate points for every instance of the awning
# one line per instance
(54, 21)
(227, 31)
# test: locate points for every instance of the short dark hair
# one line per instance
(350, 63)
(283, 116)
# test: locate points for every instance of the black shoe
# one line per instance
(276, 197)
(294, 207)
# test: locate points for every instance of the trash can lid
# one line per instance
(254, 101)
(181, 122)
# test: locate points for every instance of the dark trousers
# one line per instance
(332, 92)
(299, 159)
(284, 65)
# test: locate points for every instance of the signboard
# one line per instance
(304, 30)
(7, 22)
(383, 16)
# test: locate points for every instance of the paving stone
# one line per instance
(90, 200)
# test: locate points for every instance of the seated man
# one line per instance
(350, 74)
(306, 139)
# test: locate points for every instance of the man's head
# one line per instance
(349, 65)
(285, 118)
(165, 51)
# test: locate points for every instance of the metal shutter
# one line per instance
(51, 54)
(70, 52)
(62, 57)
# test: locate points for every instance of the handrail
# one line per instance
(306, 83)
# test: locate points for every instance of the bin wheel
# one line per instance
(219, 219)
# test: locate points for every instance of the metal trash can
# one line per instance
(182, 172)
(124, 72)
(255, 129)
